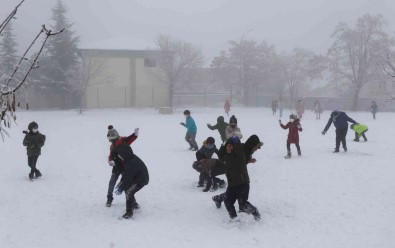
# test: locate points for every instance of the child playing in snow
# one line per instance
(221, 127)
(227, 107)
(359, 130)
(33, 141)
(134, 178)
(206, 152)
(113, 160)
(191, 130)
(238, 181)
(233, 130)
(294, 127)
(209, 169)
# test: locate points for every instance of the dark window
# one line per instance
(149, 62)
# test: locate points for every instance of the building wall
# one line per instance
(116, 93)
(150, 92)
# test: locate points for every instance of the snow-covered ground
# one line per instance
(321, 199)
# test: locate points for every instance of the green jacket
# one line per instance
(33, 143)
(359, 129)
(236, 166)
(221, 126)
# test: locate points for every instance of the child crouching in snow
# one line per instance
(134, 178)
(294, 127)
(360, 130)
(209, 169)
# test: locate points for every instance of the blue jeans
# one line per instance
(111, 184)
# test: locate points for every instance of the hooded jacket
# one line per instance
(249, 145)
(135, 170)
(236, 165)
(221, 126)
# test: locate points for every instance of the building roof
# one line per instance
(120, 43)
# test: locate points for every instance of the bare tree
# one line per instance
(175, 58)
(356, 51)
(299, 66)
(12, 83)
(87, 71)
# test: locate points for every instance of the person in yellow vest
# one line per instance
(360, 130)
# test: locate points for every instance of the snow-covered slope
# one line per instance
(318, 200)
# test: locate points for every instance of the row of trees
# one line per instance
(359, 55)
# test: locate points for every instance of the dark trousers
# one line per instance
(239, 193)
(362, 134)
(190, 138)
(374, 115)
(130, 199)
(341, 138)
(111, 184)
(32, 162)
(289, 147)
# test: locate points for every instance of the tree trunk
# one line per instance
(355, 99)
(171, 91)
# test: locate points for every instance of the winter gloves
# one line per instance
(136, 131)
(323, 132)
(111, 163)
(118, 191)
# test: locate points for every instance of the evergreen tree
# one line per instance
(8, 51)
(60, 58)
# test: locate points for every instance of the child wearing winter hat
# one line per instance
(360, 130)
(294, 127)
(113, 159)
(233, 130)
(33, 141)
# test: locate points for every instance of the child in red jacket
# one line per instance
(113, 160)
(294, 127)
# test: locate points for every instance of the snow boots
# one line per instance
(128, 214)
(288, 156)
(109, 201)
(31, 175)
(217, 201)
(37, 174)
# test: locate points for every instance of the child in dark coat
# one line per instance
(206, 152)
(294, 127)
(134, 178)
(114, 161)
(209, 169)
(33, 141)
(238, 181)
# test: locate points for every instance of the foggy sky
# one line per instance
(207, 23)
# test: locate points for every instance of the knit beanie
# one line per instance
(233, 120)
(112, 133)
(32, 125)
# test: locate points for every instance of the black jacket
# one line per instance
(236, 165)
(135, 170)
(249, 145)
(33, 143)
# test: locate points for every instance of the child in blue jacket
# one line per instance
(191, 131)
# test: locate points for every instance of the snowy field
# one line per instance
(320, 200)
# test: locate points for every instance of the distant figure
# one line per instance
(340, 121)
(227, 107)
(317, 109)
(359, 130)
(373, 109)
(274, 107)
(300, 109)
(281, 108)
